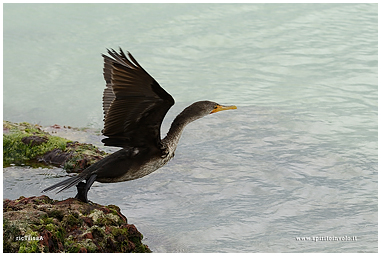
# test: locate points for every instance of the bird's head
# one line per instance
(193, 112)
(217, 107)
(203, 108)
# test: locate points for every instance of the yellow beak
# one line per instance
(220, 108)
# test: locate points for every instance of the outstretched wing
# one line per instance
(134, 104)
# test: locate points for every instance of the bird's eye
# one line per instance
(216, 106)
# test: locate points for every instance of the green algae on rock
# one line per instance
(19, 146)
(40, 224)
(28, 144)
(75, 158)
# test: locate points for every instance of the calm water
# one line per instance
(298, 158)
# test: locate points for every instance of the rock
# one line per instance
(75, 158)
(40, 224)
(34, 140)
(28, 144)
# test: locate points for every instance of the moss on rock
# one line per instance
(19, 150)
(40, 224)
(28, 144)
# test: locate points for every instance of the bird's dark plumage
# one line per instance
(134, 107)
(134, 104)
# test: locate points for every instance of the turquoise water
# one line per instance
(298, 158)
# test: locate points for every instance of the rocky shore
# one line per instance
(29, 144)
(40, 224)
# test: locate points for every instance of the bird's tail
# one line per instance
(65, 184)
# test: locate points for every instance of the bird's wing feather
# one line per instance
(134, 104)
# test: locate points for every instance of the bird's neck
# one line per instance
(177, 127)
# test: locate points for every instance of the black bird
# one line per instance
(134, 106)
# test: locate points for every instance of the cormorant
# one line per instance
(134, 106)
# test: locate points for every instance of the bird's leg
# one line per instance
(82, 192)
(83, 188)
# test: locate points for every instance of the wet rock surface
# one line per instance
(29, 144)
(75, 157)
(40, 224)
